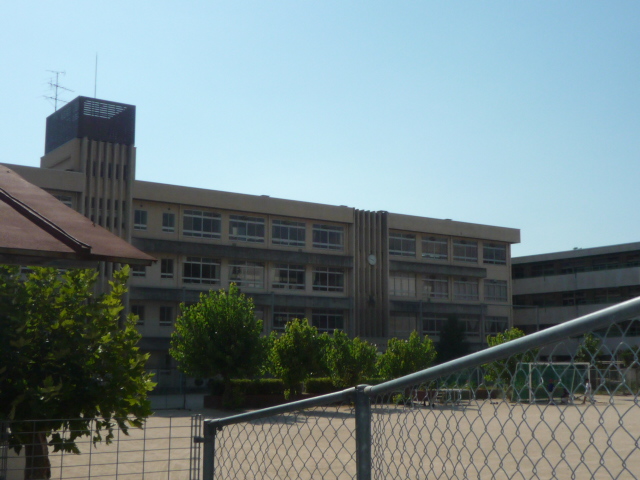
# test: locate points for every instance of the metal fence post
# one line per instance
(209, 450)
(363, 434)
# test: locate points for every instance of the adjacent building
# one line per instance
(552, 288)
(373, 274)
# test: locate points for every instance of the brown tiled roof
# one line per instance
(37, 229)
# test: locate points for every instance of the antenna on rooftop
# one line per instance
(55, 86)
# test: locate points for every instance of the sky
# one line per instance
(515, 114)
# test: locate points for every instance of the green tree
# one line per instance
(219, 335)
(503, 371)
(406, 356)
(452, 342)
(349, 360)
(67, 357)
(295, 355)
(588, 348)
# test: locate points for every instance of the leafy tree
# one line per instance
(503, 371)
(66, 357)
(349, 360)
(452, 342)
(219, 335)
(588, 349)
(406, 356)
(295, 355)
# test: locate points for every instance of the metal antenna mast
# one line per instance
(55, 86)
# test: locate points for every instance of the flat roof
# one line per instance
(578, 253)
(37, 229)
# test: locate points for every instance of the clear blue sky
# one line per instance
(516, 114)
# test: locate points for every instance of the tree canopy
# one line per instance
(66, 357)
(403, 357)
(219, 335)
(295, 355)
(503, 371)
(348, 360)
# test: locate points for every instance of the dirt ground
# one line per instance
(474, 440)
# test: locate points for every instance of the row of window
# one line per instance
(579, 297)
(442, 287)
(243, 228)
(324, 319)
(432, 325)
(437, 248)
(286, 276)
(578, 265)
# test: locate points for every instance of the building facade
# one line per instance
(553, 288)
(372, 274)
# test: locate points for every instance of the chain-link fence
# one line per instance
(561, 403)
(162, 449)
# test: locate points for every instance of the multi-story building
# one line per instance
(373, 274)
(552, 288)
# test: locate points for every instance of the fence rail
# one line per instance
(501, 413)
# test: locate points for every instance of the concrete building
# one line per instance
(373, 274)
(552, 288)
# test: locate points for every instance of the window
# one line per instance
(290, 277)
(247, 274)
(138, 271)
(246, 229)
(496, 325)
(166, 316)
(138, 310)
(401, 325)
(285, 232)
(168, 222)
(166, 268)
(495, 290)
(436, 286)
(201, 270)
(66, 199)
(403, 244)
(471, 326)
(432, 326)
(140, 220)
(465, 289)
(435, 248)
(328, 279)
(196, 223)
(495, 253)
(402, 284)
(330, 237)
(283, 315)
(327, 320)
(465, 251)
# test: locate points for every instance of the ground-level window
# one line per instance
(401, 325)
(432, 325)
(201, 270)
(495, 325)
(327, 319)
(138, 271)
